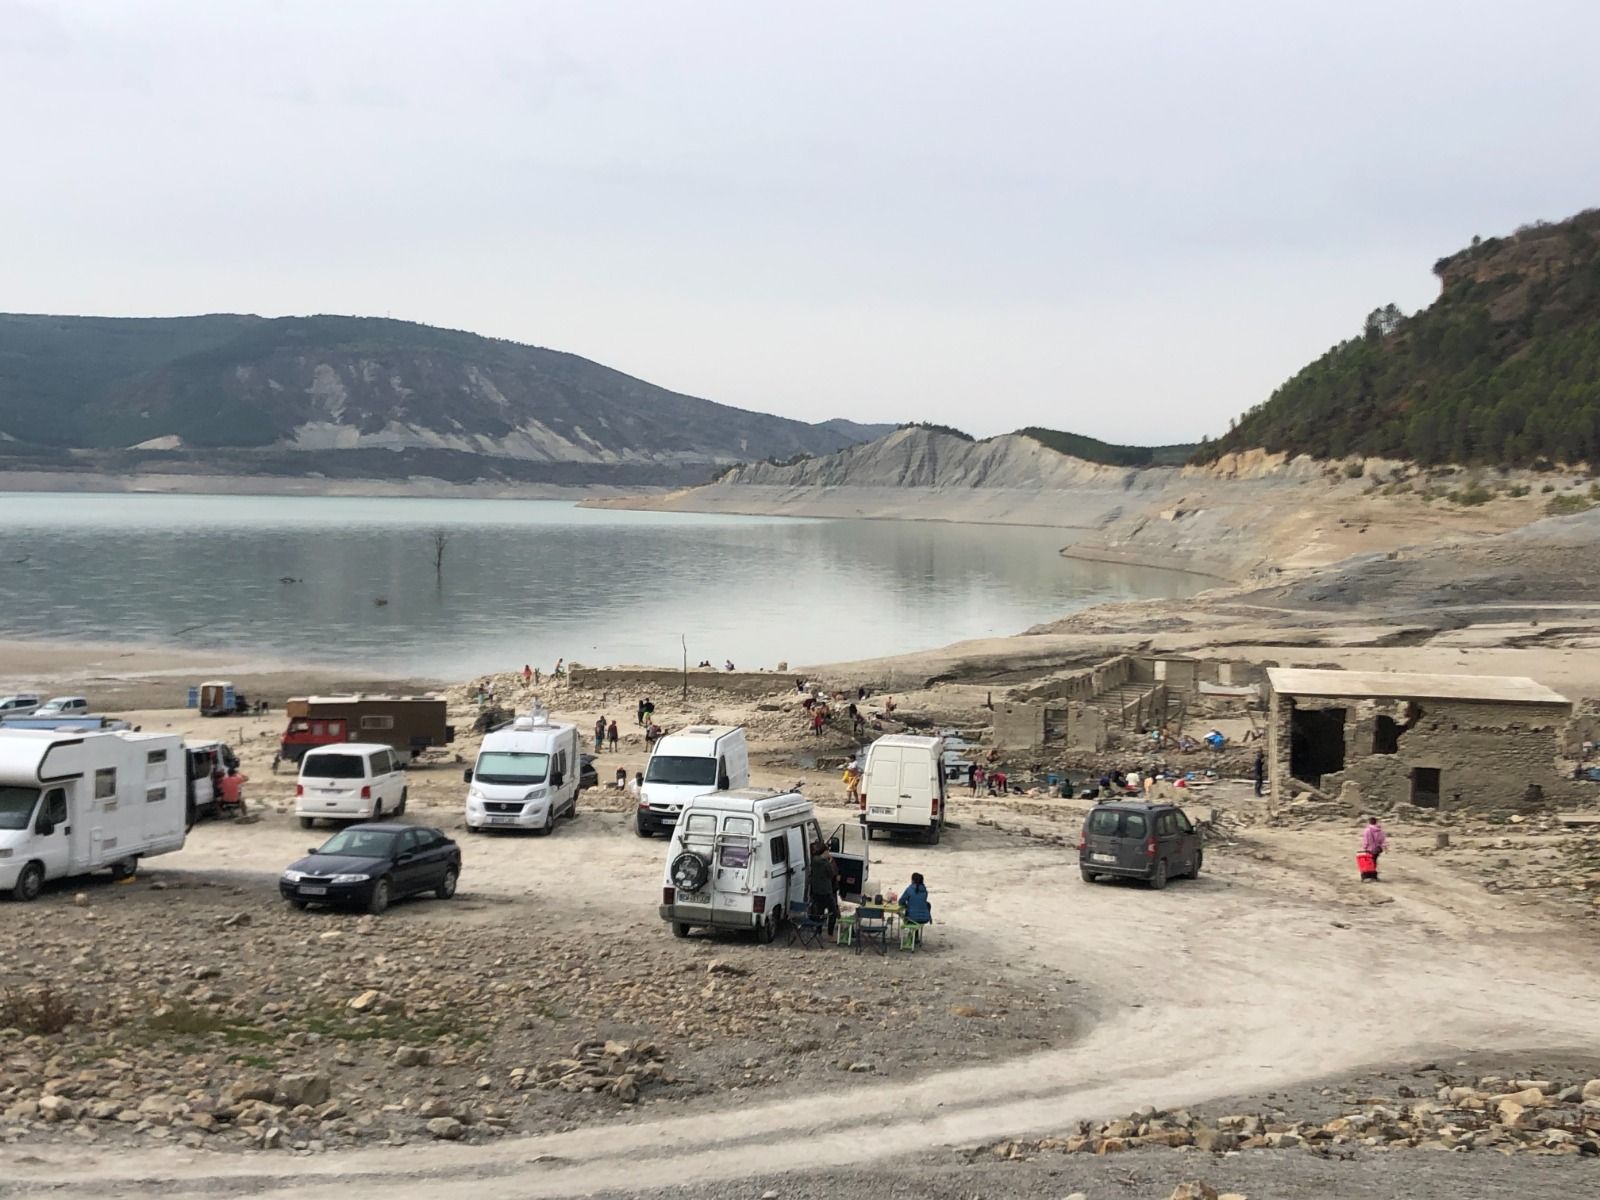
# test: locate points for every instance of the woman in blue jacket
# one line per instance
(919, 910)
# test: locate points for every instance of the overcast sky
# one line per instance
(1128, 219)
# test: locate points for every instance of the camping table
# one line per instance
(892, 915)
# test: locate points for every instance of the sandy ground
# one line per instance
(1274, 970)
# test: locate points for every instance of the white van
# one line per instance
(76, 802)
(686, 764)
(903, 788)
(356, 781)
(739, 859)
(526, 776)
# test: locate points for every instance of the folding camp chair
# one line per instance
(872, 925)
(805, 927)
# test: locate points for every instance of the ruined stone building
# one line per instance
(1436, 741)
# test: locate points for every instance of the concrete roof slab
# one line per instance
(1400, 685)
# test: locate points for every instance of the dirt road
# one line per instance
(1276, 967)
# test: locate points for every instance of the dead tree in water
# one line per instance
(440, 540)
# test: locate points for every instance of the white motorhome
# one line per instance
(692, 762)
(903, 788)
(526, 776)
(71, 803)
(739, 859)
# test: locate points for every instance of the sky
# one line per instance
(1126, 219)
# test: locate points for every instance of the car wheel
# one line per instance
(1159, 879)
(447, 885)
(126, 869)
(769, 929)
(1088, 875)
(549, 822)
(1199, 858)
(401, 810)
(638, 827)
(679, 929)
(308, 822)
(379, 900)
(29, 884)
(474, 828)
(573, 811)
(296, 902)
(935, 832)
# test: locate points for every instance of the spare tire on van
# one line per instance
(690, 872)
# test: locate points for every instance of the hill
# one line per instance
(1094, 450)
(1502, 369)
(191, 387)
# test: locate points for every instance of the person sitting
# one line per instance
(919, 909)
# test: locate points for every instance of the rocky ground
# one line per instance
(195, 1011)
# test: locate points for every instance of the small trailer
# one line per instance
(71, 803)
(408, 725)
(216, 698)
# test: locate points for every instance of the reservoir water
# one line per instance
(330, 581)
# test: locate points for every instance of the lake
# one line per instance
(336, 581)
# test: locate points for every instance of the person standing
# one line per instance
(1374, 842)
(527, 674)
(1260, 771)
(816, 720)
(641, 713)
(824, 886)
(972, 777)
(611, 735)
(852, 785)
(600, 735)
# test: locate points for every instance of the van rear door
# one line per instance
(883, 785)
(736, 862)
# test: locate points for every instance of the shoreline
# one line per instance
(412, 487)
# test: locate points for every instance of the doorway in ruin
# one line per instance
(1425, 783)
(1316, 743)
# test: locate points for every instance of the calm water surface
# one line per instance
(299, 578)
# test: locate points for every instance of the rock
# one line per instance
(81, 899)
(411, 1056)
(859, 1068)
(721, 966)
(1193, 1189)
(312, 1088)
(236, 921)
(1216, 1141)
(433, 1108)
(446, 1129)
(57, 1108)
(1591, 1092)
(1078, 1196)
(256, 1086)
(365, 1002)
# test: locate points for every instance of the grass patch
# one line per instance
(1571, 502)
(40, 1010)
(185, 1020)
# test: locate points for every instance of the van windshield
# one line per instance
(676, 768)
(16, 806)
(334, 766)
(502, 766)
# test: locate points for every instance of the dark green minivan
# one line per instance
(1153, 842)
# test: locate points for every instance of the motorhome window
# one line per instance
(16, 806)
(780, 850)
(377, 722)
(155, 795)
(745, 825)
(1133, 825)
(334, 766)
(105, 783)
(681, 769)
(299, 726)
(155, 756)
(702, 823)
(1104, 821)
(380, 763)
(500, 766)
(55, 806)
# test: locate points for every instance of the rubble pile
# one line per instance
(1507, 1116)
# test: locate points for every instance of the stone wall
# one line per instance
(667, 679)
(1487, 754)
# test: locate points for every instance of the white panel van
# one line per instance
(357, 781)
(692, 762)
(904, 786)
(526, 776)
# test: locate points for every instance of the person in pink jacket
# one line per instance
(1373, 840)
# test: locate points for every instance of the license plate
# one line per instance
(500, 819)
(1110, 858)
(313, 891)
(694, 897)
(881, 812)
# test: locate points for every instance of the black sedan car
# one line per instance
(370, 865)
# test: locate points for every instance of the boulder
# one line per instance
(255, 1086)
(1193, 1189)
(311, 1088)
(446, 1128)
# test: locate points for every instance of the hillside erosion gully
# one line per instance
(1274, 968)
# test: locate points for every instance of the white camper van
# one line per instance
(739, 859)
(71, 803)
(686, 764)
(353, 781)
(904, 786)
(527, 775)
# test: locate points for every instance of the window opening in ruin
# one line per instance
(1316, 743)
(1425, 785)
(1386, 733)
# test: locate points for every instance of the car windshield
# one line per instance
(16, 806)
(334, 766)
(500, 766)
(676, 768)
(360, 843)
